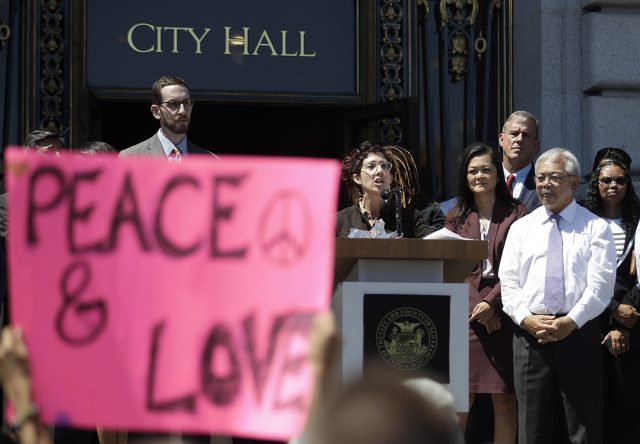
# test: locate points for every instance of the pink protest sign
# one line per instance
(171, 296)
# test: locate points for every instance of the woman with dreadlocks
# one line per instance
(610, 195)
(370, 170)
(486, 210)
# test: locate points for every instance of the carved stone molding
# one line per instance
(5, 33)
(391, 65)
(51, 73)
(391, 131)
(446, 10)
(391, 51)
(458, 17)
(458, 51)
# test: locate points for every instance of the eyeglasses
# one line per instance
(371, 166)
(174, 105)
(553, 178)
(619, 180)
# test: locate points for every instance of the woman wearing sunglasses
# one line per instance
(367, 172)
(611, 195)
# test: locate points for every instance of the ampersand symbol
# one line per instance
(79, 322)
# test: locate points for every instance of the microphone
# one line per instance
(386, 194)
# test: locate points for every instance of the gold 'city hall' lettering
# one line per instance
(160, 31)
(146, 38)
(265, 44)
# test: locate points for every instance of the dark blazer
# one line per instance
(528, 196)
(153, 147)
(415, 224)
(501, 219)
(625, 290)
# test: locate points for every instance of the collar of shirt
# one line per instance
(167, 145)
(567, 215)
(520, 177)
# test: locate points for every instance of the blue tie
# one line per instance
(554, 276)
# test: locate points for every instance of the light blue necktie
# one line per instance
(554, 276)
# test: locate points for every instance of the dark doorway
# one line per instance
(268, 130)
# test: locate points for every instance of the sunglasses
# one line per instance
(619, 180)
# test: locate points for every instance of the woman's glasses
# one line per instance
(371, 166)
(619, 180)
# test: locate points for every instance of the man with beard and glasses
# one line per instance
(172, 106)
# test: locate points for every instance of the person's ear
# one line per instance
(356, 179)
(155, 111)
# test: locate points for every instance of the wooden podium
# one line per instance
(402, 302)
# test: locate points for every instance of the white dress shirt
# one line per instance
(518, 182)
(589, 258)
(168, 145)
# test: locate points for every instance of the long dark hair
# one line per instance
(465, 202)
(630, 205)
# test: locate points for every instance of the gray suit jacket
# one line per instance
(153, 147)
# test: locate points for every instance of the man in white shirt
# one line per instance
(557, 275)
(172, 106)
(520, 144)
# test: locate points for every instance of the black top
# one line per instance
(415, 224)
(624, 292)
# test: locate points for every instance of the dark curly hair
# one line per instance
(630, 205)
(352, 164)
(465, 201)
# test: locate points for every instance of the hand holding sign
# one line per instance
(161, 301)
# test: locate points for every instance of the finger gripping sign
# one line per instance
(171, 296)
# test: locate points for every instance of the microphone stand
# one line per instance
(395, 192)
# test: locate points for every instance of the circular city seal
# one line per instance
(406, 338)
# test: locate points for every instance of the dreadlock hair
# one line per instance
(630, 205)
(466, 201)
(404, 174)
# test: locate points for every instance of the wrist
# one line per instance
(32, 414)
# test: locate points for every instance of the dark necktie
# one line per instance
(175, 155)
(554, 276)
(510, 179)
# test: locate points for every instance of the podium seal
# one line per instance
(406, 338)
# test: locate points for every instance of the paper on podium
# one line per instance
(444, 233)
